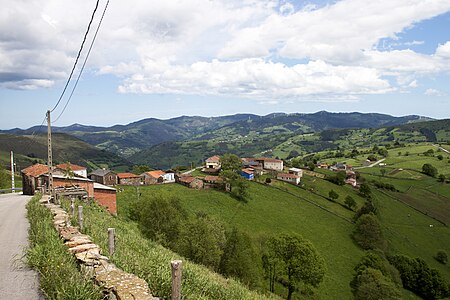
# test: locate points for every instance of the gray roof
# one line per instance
(103, 187)
(100, 172)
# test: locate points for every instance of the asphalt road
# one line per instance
(17, 281)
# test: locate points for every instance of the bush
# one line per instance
(429, 170)
(385, 186)
(419, 278)
(442, 257)
(350, 202)
(367, 233)
(372, 285)
(367, 208)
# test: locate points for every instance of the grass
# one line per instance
(58, 271)
(408, 232)
(151, 262)
(271, 212)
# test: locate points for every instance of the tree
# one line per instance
(376, 260)
(372, 285)
(235, 184)
(139, 169)
(311, 166)
(201, 239)
(440, 157)
(160, 219)
(298, 262)
(383, 171)
(383, 152)
(368, 234)
(429, 170)
(367, 208)
(442, 257)
(372, 157)
(333, 195)
(365, 191)
(419, 278)
(231, 162)
(441, 178)
(5, 179)
(238, 259)
(350, 202)
(338, 178)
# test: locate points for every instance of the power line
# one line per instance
(78, 56)
(84, 63)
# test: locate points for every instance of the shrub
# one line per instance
(419, 278)
(350, 202)
(429, 170)
(367, 233)
(442, 257)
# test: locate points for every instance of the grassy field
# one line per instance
(151, 262)
(271, 212)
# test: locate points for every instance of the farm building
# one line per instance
(289, 178)
(213, 162)
(31, 180)
(270, 163)
(296, 171)
(76, 169)
(190, 181)
(102, 176)
(248, 173)
(106, 197)
(128, 179)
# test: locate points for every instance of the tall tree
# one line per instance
(368, 233)
(299, 262)
(235, 184)
(238, 259)
(202, 240)
(231, 162)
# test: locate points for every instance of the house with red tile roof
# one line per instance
(270, 163)
(31, 180)
(77, 170)
(213, 162)
(292, 178)
(128, 179)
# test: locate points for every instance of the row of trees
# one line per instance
(288, 260)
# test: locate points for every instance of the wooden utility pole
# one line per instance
(12, 173)
(50, 157)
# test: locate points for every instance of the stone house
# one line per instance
(128, 179)
(31, 180)
(190, 181)
(102, 176)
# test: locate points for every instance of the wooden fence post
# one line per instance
(72, 206)
(111, 240)
(80, 217)
(176, 279)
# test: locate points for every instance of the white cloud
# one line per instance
(434, 92)
(255, 78)
(223, 47)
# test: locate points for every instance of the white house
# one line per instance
(271, 163)
(77, 170)
(213, 162)
(296, 171)
(289, 178)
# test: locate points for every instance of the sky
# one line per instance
(163, 59)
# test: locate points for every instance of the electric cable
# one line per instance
(84, 63)
(78, 56)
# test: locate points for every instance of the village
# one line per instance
(74, 181)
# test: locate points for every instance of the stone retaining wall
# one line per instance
(117, 284)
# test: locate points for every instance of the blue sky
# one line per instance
(209, 58)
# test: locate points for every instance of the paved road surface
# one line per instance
(16, 280)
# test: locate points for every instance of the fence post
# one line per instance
(176, 279)
(80, 217)
(72, 206)
(111, 240)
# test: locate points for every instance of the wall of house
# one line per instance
(28, 186)
(130, 181)
(273, 165)
(87, 185)
(107, 199)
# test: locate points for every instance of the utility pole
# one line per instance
(12, 173)
(50, 157)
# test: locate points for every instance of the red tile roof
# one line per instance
(71, 166)
(214, 158)
(156, 173)
(187, 179)
(287, 175)
(212, 178)
(268, 159)
(35, 170)
(127, 175)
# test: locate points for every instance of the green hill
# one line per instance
(31, 149)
